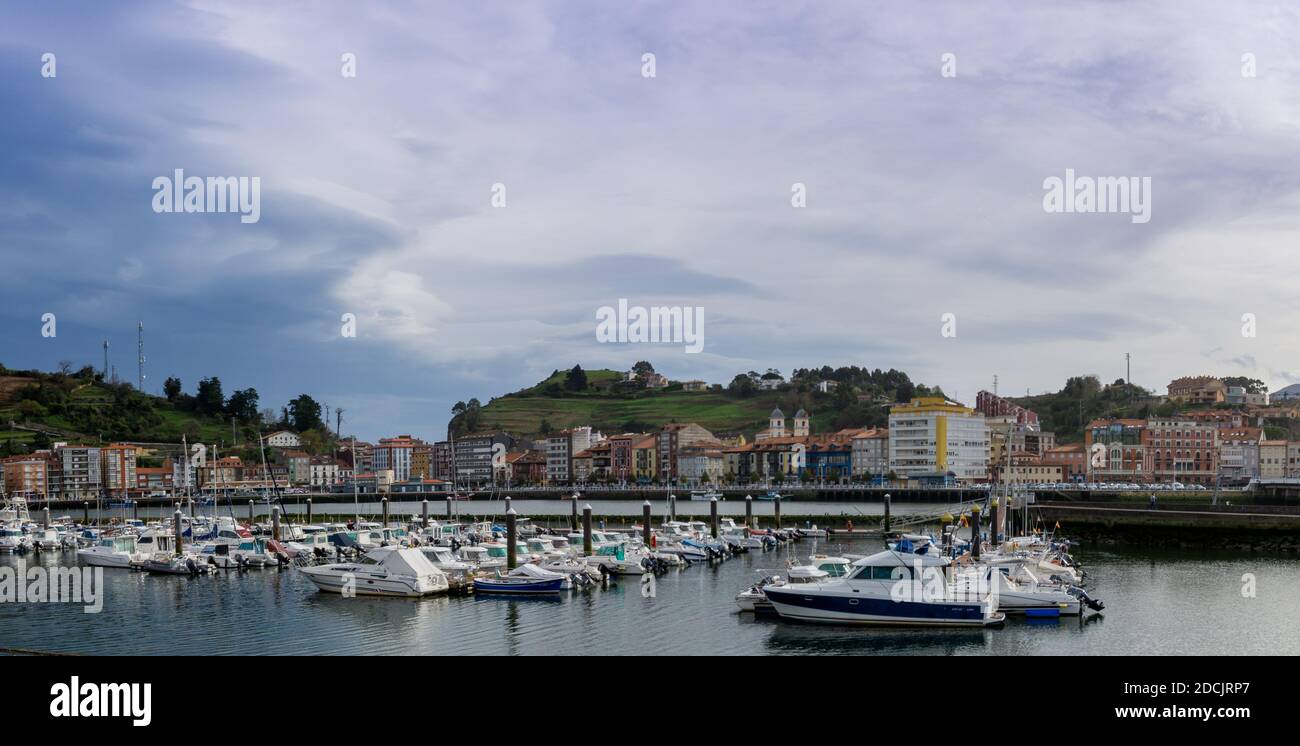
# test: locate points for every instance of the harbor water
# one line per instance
(1167, 602)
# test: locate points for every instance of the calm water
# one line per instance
(1166, 603)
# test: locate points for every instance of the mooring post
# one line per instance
(251, 513)
(424, 513)
(176, 529)
(975, 531)
(749, 511)
(135, 510)
(449, 505)
(672, 507)
(511, 559)
(645, 523)
(713, 516)
(586, 530)
(85, 513)
(888, 510)
(383, 503)
(776, 511)
(275, 522)
(573, 513)
(47, 516)
(309, 510)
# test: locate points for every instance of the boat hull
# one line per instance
(518, 587)
(836, 608)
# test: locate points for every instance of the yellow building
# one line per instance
(645, 459)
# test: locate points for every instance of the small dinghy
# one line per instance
(525, 579)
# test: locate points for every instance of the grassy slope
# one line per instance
(610, 412)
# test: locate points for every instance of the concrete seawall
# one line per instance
(1241, 528)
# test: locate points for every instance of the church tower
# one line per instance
(801, 429)
(776, 424)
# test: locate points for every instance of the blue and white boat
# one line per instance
(524, 580)
(887, 588)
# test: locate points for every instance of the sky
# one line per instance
(922, 138)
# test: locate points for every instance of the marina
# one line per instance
(686, 593)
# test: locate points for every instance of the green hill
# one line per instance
(38, 408)
(611, 404)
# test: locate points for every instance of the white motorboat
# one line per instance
(12, 539)
(458, 572)
(386, 571)
(1019, 591)
(706, 495)
(112, 551)
(886, 588)
(47, 540)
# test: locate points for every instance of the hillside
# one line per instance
(611, 404)
(38, 408)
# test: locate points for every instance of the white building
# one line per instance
(930, 436)
(283, 439)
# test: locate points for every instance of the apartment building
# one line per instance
(1183, 450)
(1197, 390)
(476, 455)
(1273, 459)
(1072, 460)
(80, 471)
(674, 437)
(931, 437)
(1239, 454)
(119, 464)
(1123, 455)
(396, 455)
(871, 452)
(27, 476)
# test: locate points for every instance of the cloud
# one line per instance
(924, 192)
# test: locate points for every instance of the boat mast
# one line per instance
(356, 502)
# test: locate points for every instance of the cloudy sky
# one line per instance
(924, 192)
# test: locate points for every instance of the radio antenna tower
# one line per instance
(140, 347)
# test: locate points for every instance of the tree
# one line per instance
(742, 386)
(642, 367)
(172, 388)
(904, 392)
(576, 379)
(209, 399)
(304, 414)
(242, 405)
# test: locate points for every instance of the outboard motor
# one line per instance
(1085, 599)
(192, 566)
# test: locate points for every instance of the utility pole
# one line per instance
(106, 360)
(140, 346)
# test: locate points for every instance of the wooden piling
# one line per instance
(672, 507)
(176, 530)
(85, 513)
(47, 516)
(424, 513)
(573, 513)
(776, 510)
(888, 510)
(251, 513)
(512, 561)
(713, 516)
(309, 510)
(586, 530)
(383, 503)
(645, 523)
(275, 522)
(749, 511)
